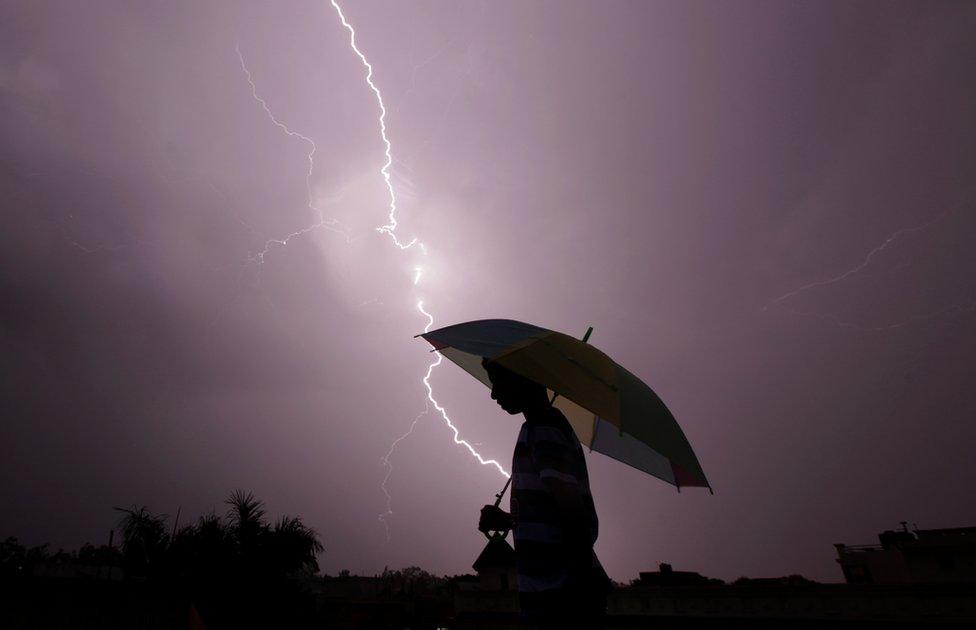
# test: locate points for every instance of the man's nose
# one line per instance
(494, 396)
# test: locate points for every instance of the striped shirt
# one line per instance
(554, 520)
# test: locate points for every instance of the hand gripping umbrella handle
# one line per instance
(498, 500)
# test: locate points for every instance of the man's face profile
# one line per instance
(512, 392)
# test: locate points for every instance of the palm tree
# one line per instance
(289, 547)
(294, 546)
(144, 540)
(243, 544)
(206, 548)
(246, 516)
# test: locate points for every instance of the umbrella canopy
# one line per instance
(612, 411)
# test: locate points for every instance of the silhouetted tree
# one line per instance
(102, 555)
(240, 546)
(234, 569)
(410, 581)
(144, 541)
(246, 515)
(294, 546)
(15, 559)
(287, 548)
(206, 549)
(247, 526)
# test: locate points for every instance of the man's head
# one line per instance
(514, 393)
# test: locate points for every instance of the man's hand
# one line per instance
(494, 519)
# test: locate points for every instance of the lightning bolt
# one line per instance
(968, 305)
(385, 460)
(390, 230)
(441, 411)
(329, 224)
(391, 226)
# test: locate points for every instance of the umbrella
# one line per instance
(612, 411)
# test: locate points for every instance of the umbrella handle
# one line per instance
(498, 497)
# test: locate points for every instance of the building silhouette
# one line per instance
(496, 566)
(921, 556)
(918, 578)
(667, 576)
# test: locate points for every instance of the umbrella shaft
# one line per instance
(498, 497)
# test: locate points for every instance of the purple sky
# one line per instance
(663, 171)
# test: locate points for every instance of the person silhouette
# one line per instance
(553, 520)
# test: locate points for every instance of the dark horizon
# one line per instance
(764, 209)
(171, 535)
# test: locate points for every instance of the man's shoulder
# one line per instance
(551, 426)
